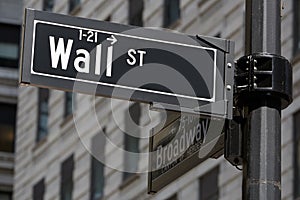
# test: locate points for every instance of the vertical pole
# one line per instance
(262, 129)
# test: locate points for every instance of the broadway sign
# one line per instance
(126, 62)
(182, 143)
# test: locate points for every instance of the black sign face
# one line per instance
(181, 145)
(126, 62)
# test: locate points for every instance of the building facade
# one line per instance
(10, 32)
(56, 130)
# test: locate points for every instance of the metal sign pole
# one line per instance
(262, 127)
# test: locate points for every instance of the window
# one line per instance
(68, 103)
(136, 8)
(297, 155)
(97, 173)
(66, 183)
(39, 190)
(218, 35)
(108, 19)
(9, 45)
(209, 189)
(7, 126)
(97, 179)
(131, 162)
(174, 197)
(171, 12)
(5, 195)
(296, 26)
(43, 97)
(131, 141)
(48, 5)
(73, 4)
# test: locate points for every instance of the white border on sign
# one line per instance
(122, 86)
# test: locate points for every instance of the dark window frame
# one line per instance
(39, 190)
(74, 5)
(135, 115)
(205, 184)
(296, 27)
(108, 18)
(135, 12)
(296, 162)
(173, 197)
(9, 114)
(69, 108)
(43, 114)
(9, 194)
(97, 167)
(66, 181)
(48, 5)
(171, 16)
(218, 35)
(10, 35)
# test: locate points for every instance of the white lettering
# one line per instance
(142, 53)
(85, 59)
(60, 52)
(198, 134)
(131, 53)
(190, 137)
(170, 152)
(204, 129)
(176, 147)
(98, 59)
(182, 143)
(165, 155)
(159, 157)
(109, 61)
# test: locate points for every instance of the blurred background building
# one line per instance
(52, 162)
(10, 32)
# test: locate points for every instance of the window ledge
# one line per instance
(6, 155)
(39, 144)
(129, 180)
(9, 73)
(75, 10)
(67, 119)
(6, 160)
(174, 24)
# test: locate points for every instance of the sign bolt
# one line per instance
(228, 87)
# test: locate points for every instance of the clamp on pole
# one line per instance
(263, 76)
(259, 79)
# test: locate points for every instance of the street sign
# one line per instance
(181, 144)
(167, 69)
